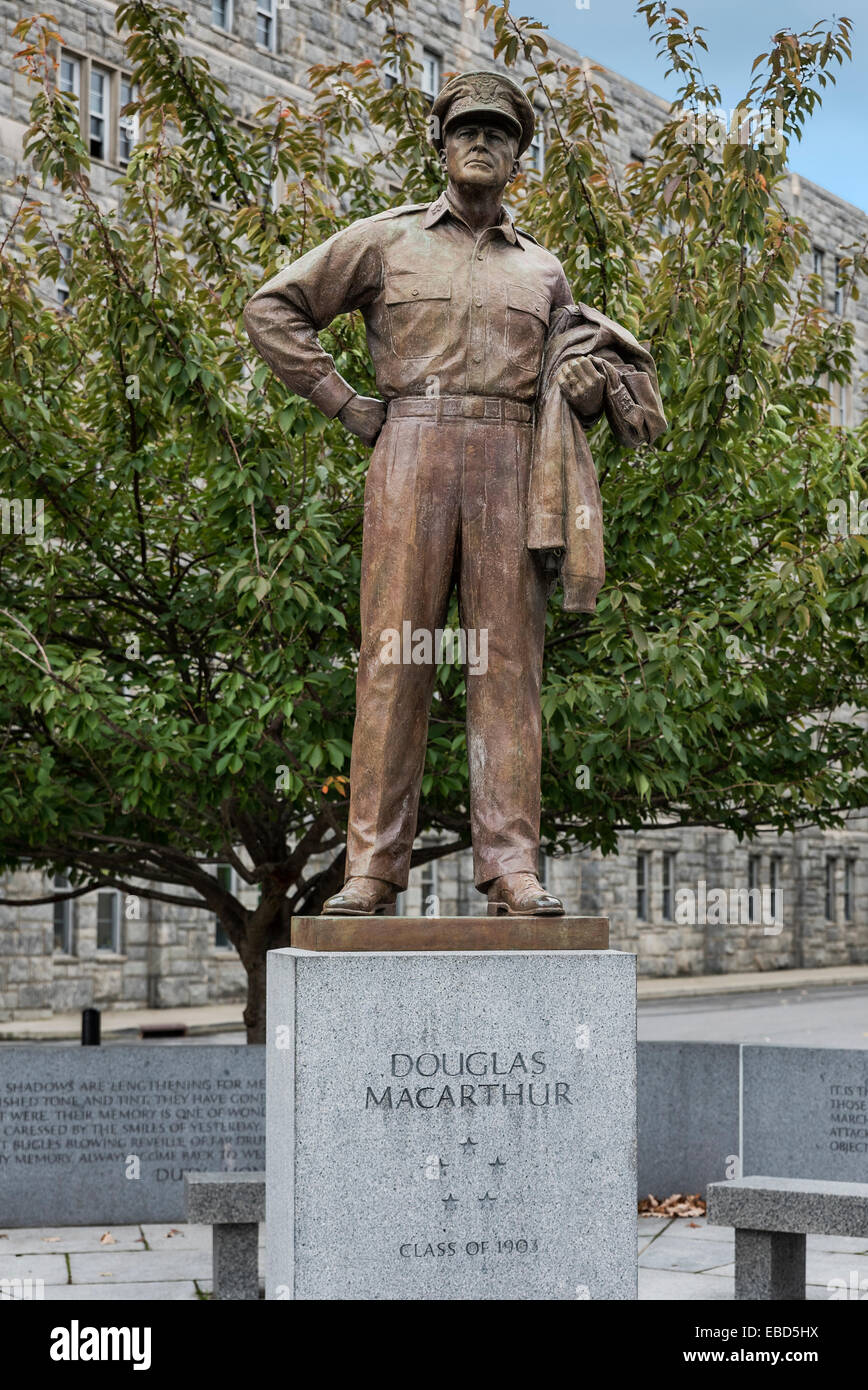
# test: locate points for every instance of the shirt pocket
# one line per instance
(527, 317)
(418, 307)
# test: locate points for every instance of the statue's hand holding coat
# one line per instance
(582, 385)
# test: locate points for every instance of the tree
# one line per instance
(177, 684)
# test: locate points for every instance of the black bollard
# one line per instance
(90, 1027)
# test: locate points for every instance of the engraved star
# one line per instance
(449, 1202)
(468, 1146)
(487, 1200)
(498, 1163)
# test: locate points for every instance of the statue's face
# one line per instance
(480, 155)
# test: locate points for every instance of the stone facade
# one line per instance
(157, 955)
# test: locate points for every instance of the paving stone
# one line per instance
(59, 1240)
(174, 1290)
(699, 1255)
(823, 1265)
(858, 1244)
(678, 1286)
(183, 1236)
(51, 1269)
(147, 1266)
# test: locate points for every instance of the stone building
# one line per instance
(689, 901)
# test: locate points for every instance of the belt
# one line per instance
(464, 407)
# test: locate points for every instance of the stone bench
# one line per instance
(233, 1204)
(772, 1217)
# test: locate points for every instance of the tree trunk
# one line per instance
(261, 937)
(254, 1012)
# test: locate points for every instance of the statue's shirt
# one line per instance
(447, 312)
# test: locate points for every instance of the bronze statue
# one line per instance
(480, 476)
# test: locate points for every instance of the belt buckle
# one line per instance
(475, 408)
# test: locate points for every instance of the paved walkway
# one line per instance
(125, 1024)
(685, 1258)
(679, 1260)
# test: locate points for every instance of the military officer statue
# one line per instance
(459, 307)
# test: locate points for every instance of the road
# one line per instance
(830, 1017)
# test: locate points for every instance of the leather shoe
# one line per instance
(362, 897)
(522, 895)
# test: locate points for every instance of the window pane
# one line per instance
(430, 73)
(830, 889)
(753, 883)
(97, 92)
(70, 76)
(98, 104)
(775, 886)
(642, 886)
(62, 918)
(849, 886)
(107, 919)
(128, 126)
(668, 884)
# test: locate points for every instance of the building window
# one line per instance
(430, 81)
(391, 74)
(225, 875)
(831, 868)
(221, 14)
(265, 25)
(128, 126)
(538, 147)
(429, 884)
(668, 885)
(61, 284)
(839, 404)
(838, 298)
(849, 888)
(64, 918)
(70, 75)
(108, 920)
(754, 875)
(108, 135)
(642, 887)
(99, 99)
(775, 896)
(817, 262)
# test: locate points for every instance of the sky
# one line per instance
(832, 152)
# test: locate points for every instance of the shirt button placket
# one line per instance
(476, 367)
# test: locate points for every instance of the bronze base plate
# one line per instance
(450, 933)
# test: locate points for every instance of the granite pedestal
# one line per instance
(451, 1124)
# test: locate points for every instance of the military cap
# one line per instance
(482, 93)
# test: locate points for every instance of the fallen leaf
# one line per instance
(107, 1239)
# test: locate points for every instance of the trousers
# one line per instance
(445, 504)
